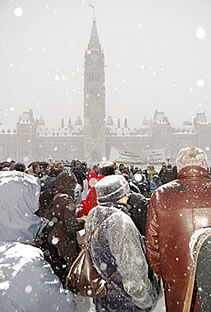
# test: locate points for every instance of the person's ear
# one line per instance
(205, 165)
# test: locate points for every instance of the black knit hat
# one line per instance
(112, 188)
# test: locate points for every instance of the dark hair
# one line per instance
(35, 165)
(20, 167)
(44, 165)
(7, 164)
(107, 171)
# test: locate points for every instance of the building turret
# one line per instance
(26, 135)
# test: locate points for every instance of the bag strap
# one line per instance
(87, 247)
(72, 266)
(53, 199)
(112, 276)
(95, 229)
(89, 241)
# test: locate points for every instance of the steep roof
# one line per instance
(94, 43)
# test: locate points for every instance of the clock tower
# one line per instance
(94, 99)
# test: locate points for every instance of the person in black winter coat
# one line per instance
(138, 203)
(78, 171)
(138, 211)
(166, 174)
(54, 169)
(58, 239)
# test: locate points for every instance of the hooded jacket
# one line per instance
(175, 211)
(154, 184)
(27, 282)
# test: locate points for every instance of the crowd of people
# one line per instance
(151, 216)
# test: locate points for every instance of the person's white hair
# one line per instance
(191, 156)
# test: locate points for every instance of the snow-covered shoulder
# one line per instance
(16, 176)
(16, 255)
(195, 238)
(27, 281)
(162, 189)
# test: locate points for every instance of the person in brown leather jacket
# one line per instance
(175, 211)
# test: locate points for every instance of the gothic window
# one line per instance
(90, 76)
(94, 76)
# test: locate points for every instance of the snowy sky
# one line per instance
(157, 54)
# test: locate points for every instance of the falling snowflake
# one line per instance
(200, 83)
(200, 33)
(26, 159)
(55, 240)
(57, 77)
(28, 289)
(103, 266)
(18, 12)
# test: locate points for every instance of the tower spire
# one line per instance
(94, 43)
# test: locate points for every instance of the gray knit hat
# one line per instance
(112, 188)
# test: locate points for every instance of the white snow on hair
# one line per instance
(190, 156)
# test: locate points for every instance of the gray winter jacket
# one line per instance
(116, 246)
(27, 282)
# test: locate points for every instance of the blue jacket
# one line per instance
(116, 246)
(154, 185)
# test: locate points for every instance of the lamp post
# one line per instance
(168, 158)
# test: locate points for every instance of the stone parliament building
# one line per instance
(98, 136)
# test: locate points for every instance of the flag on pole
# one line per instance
(91, 6)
